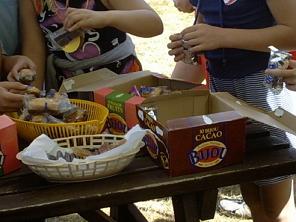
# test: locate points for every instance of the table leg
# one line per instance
(96, 216)
(194, 207)
(129, 212)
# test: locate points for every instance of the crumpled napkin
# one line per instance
(37, 152)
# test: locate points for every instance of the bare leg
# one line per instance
(187, 72)
(278, 201)
(251, 195)
(271, 203)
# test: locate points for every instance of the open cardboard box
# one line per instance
(8, 146)
(112, 91)
(87, 83)
(196, 130)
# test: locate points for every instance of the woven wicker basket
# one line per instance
(97, 116)
(85, 171)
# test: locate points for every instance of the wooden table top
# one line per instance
(26, 195)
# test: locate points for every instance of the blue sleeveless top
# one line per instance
(241, 14)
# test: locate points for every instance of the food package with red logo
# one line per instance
(8, 146)
(196, 131)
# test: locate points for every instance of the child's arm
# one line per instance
(133, 16)
(184, 6)
(33, 44)
(283, 35)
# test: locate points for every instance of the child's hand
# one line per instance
(289, 75)
(176, 47)
(84, 19)
(9, 100)
(203, 37)
(183, 5)
(13, 64)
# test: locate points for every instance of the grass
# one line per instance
(152, 52)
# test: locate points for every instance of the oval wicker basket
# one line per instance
(88, 170)
(97, 116)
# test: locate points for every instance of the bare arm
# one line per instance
(183, 6)
(134, 16)
(204, 37)
(33, 44)
(282, 35)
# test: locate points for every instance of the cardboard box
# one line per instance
(122, 105)
(85, 84)
(196, 130)
(8, 146)
(107, 88)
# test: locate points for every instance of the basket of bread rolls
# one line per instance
(82, 158)
(56, 115)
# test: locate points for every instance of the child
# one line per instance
(99, 34)
(235, 35)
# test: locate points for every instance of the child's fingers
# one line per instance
(292, 63)
(74, 27)
(10, 101)
(190, 36)
(291, 87)
(179, 57)
(176, 51)
(13, 86)
(176, 37)
(70, 20)
(290, 80)
(281, 72)
(70, 11)
(13, 77)
(189, 30)
(199, 48)
(173, 45)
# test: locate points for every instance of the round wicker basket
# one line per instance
(97, 116)
(83, 171)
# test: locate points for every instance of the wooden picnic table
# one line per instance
(26, 196)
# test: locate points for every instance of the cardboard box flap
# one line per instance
(88, 81)
(202, 120)
(176, 84)
(179, 104)
(127, 81)
(281, 119)
(126, 78)
(103, 78)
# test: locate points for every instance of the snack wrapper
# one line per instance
(26, 76)
(278, 60)
(152, 111)
(62, 37)
(134, 91)
(56, 104)
(190, 57)
(52, 107)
